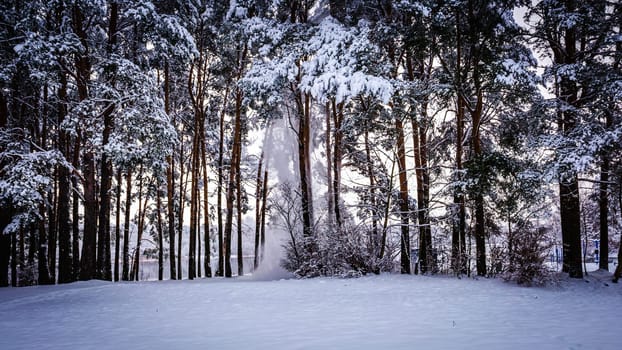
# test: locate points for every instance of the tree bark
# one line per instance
(264, 207)
(329, 167)
(170, 180)
(103, 239)
(125, 275)
(231, 186)
(480, 228)
(117, 230)
(160, 235)
(142, 210)
(304, 163)
(404, 205)
(65, 273)
(5, 246)
(221, 182)
(83, 71)
(53, 228)
(239, 210)
(180, 215)
(603, 203)
(258, 197)
(337, 158)
(206, 226)
(75, 210)
(42, 251)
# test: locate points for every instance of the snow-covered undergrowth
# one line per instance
(376, 312)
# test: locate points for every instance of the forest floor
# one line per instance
(375, 312)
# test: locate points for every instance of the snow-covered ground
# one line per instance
(377, 312)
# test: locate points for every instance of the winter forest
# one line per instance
(456, 137)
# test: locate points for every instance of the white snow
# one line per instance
(378, 312)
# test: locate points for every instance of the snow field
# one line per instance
(386, 312)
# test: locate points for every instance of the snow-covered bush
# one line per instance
(330, 253)
(526, 259)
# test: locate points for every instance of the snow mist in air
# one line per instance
(280, 151)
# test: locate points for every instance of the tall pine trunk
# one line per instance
(337, 158)
(403, 200)
(117, 230)
(65, 273)
(170, 180)
(83, 72)
(125, 275)
(258, 197)
(160, 234)
(304, 162)
(603, 203)
(206, 226)
(103, 239)
(231, 186)
(480, 227)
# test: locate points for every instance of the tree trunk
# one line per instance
(231, 186)
(142, 209)
(14, 259)
(603, 203)
(258, 197)
(458, 242)
(480, 227)
(194, 169)
(83, 72)
(180, 215)
(170, 180)
(221, 182)
(571, 226)
(75, 211)
(570, 210)
(125, 275)
(263, 215)
(5, 246)
(65, 273)
(304, 163)
(404, 205)
(42, 251)
(337, 144)
(206, 226)
(87, 263)
(117, 230)
(160, 235)
(239, 210)
(103, 239)
(618, 272)
(53, 228)
(427, 263)
(329, 167)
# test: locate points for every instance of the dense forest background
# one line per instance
(457, 136)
